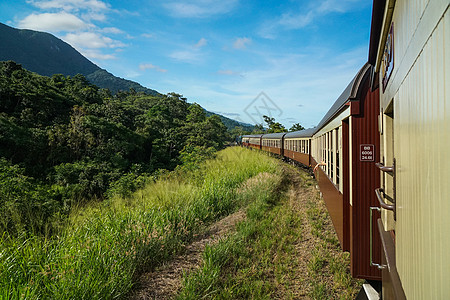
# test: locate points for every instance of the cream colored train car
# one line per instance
(408, 47)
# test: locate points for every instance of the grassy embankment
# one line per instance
(285, 249)
(99, 252)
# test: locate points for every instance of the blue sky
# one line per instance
(241, 58)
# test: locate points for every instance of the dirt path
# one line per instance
(164, 282)
(301, 282)
(314, 281)
(299, 196)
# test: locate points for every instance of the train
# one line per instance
(379, 154)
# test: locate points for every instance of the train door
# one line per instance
(387, 167)
(346, 184)
(392, 287)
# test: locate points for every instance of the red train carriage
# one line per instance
(273, 143)
(343, 150)
(297, 145)
(252, 141)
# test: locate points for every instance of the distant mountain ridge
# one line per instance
(45, 54)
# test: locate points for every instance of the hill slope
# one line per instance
(46, 55)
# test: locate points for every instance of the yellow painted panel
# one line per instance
(421, 149)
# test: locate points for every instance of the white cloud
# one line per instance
(314, 78)
(147, 35)
(69, 5)
(202, 42)
(75, 21)
(241, 43)
(144, 67)
(91, 40)
(94, 16)
(54, 22)
(191, 54)
(112, 30)
(297, 21)
(200, 8)
(306, 15)
(186, 56)
(96, 54)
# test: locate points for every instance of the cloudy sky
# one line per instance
(288, 59)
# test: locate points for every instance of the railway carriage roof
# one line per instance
(301, 133)
(278, 135)
(252, 136)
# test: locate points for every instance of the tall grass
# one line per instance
(104, 246)
(251, 263)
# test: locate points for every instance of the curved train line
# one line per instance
(379, 154)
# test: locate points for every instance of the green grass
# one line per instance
(104, 246)
(329, 266)
(255, 261)
(260, 261)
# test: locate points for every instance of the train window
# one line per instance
(338, 145)
(331, 155)
(328, 154)
(324, 150)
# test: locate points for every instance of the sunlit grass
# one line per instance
(105, 245)
(262, 259)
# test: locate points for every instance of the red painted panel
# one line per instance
(272, 150)
(334, 202)
(297, 156)
(366, 178)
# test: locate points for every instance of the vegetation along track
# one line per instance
(283, 247)
(105, 247)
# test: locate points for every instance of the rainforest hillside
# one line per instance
(63, 139)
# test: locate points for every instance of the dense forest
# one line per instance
(64, 141)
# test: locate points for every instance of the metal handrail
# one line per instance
(384, 168)
(383, 204)
(372, 264)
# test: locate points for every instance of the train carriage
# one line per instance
(252, 141)
(297, 145)
(379, 153)
(272, 142)
(344, 149)
(408, 49)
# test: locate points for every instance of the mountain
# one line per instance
(46, 55)
(231, 124)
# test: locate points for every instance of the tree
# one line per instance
(274, 127)
(296, 127)
(258, 129)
